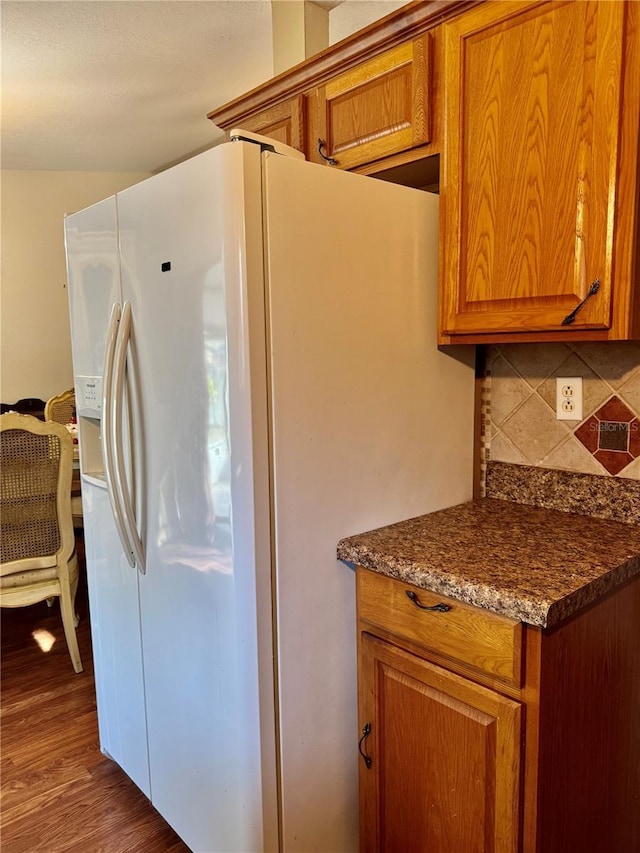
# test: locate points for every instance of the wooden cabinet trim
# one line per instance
(626, 244)
(405, 24)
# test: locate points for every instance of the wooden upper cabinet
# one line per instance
(440, 757)
(536, 166)
(283, 122)
(380, 107)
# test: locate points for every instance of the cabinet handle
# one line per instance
(595, 287)
(329, 160)
(366, 731)
(441, 608)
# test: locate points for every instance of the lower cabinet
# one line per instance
(440, 757)
(480, 734)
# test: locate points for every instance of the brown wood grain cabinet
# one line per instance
(380, 107)
(460, 750)
(540, 180)
(374, 99)
(533, 107)
(285, 122)
(444, 752)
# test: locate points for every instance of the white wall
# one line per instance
(353, 15)
(35, 345)
(300, 28)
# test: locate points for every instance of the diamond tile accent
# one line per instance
(520, 424)
(587, 433)
(609, 436)
(614, 435)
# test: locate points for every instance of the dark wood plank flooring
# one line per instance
(59, 793)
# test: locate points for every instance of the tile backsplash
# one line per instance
(519, 424)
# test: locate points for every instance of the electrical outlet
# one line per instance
(569, 398)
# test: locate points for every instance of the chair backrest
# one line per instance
(36, 461)
(61, 408)
(26, 406)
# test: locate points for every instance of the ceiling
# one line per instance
(123, 85)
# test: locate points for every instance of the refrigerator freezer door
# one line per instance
(115, 632)
(371, 424)
(93, 271)
(188, 265)
(93, 268)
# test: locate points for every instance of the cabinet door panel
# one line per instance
(445, 758)
(283, 122)
(378, 108)
(531, 165)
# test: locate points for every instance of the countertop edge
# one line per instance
(535, 611)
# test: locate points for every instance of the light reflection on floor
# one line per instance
(44, 639)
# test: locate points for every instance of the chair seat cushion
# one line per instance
(27, 578)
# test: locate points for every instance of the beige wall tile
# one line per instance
(508, 391)
(615, 363)
(534, 362)
(502, 450)
(632, 471)
(534, 430)
(571, 455)
(630, 392)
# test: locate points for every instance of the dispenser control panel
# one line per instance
(89, 395)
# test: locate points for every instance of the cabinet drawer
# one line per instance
(475, 637)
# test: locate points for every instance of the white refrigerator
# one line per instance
(257, 376)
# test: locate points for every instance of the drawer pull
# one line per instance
(595, 287)
(328, 160)
(366, 731)
(441, 608)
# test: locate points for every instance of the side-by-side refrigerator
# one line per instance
(257, 376)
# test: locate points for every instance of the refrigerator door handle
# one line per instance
(107, 432)
(122, 485)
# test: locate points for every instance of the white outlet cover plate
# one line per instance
(569, 398)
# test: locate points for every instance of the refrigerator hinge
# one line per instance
(266, 144)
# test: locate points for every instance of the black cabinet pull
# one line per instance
(329, 160)
(441, 608)
(366, 731)
(595, 287)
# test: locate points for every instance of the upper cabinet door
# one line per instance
(533, 112)
(378, 108)
(283, 122)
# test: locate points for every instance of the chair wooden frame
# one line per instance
(61, 407)
(52, 575)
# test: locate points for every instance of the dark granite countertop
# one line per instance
(533, 564)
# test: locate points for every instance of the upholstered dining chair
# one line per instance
(61, 408)
(37, 544)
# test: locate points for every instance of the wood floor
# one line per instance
(59, 793)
